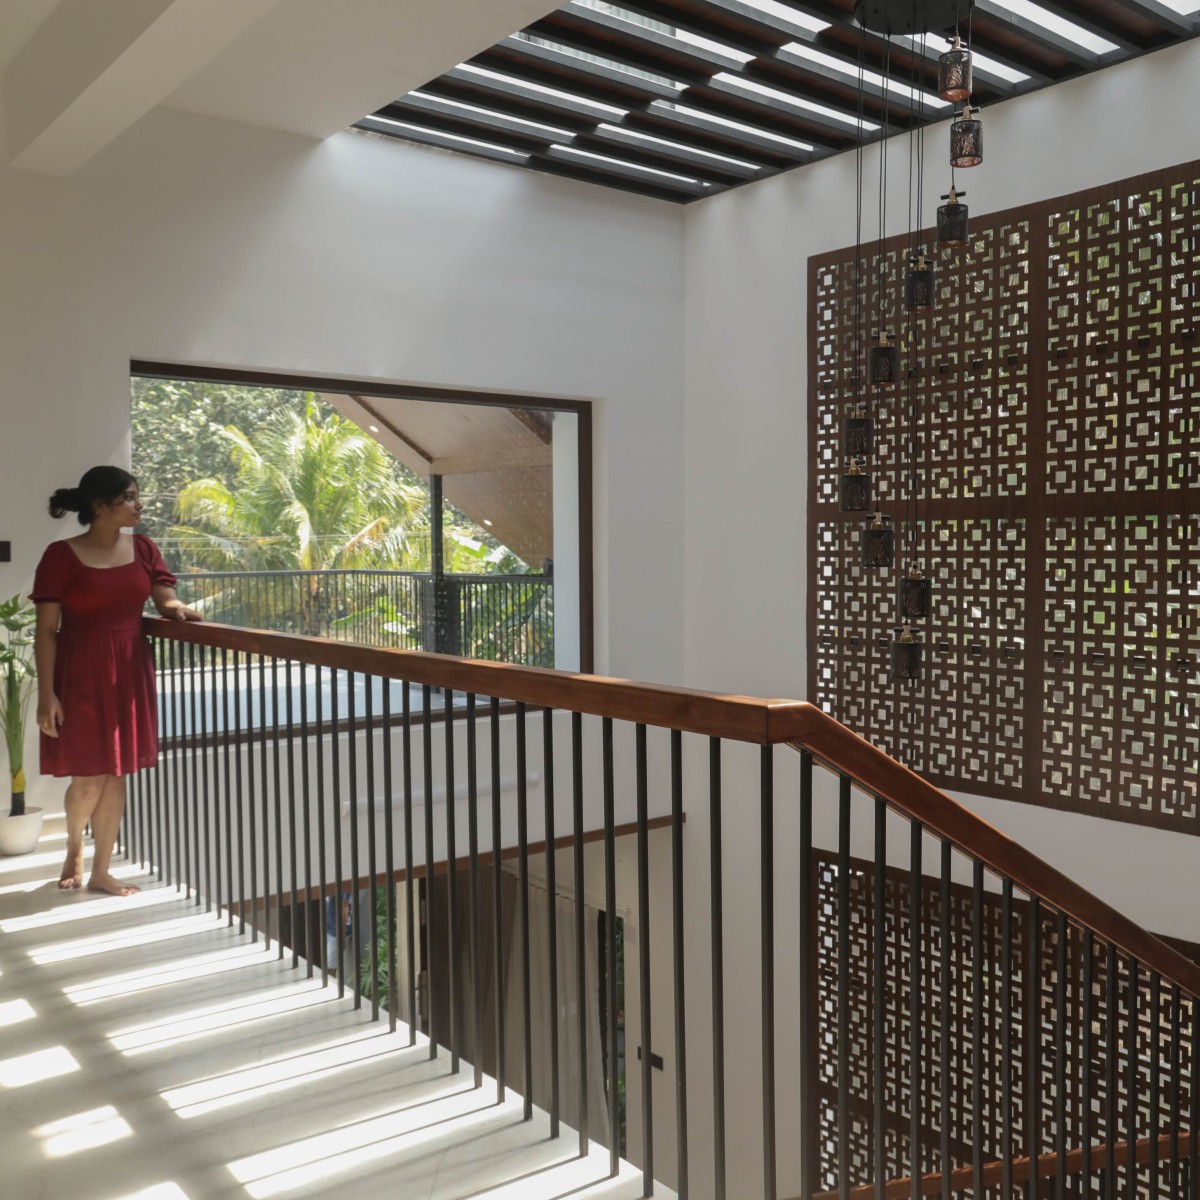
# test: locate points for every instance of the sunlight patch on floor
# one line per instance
(215, 1019)
(351, 1148)
(200, 966)
(127, 939)
(14, 1011)
(83, 1131)
(160, 1191)
(288, 1071)
(77, 906)
(35, 1067)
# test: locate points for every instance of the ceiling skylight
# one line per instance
(611, 63)
(785, 12)
(513, 81)
(466, 142)
(836, 64)
(749, 85)
(533, 126)
(697, 115)
(657, 141)
(625, 166)
(1056, 24)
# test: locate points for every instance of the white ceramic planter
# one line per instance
(19, 835)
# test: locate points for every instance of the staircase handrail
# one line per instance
(740, 718)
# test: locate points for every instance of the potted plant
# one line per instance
(21, 828)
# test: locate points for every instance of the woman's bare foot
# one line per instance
(114, 887)
(72, 872)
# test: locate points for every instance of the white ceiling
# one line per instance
(312, 67)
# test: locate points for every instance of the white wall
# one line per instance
(746, 270)
(198, 240)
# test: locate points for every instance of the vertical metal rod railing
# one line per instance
(916, 983)
(1132, 1064)
(946, 1100)
(277, 790)
(389, 855)
(372, 840)
(680, 966)
(523, 902)
(610, 943)
(979, 972)
(581, 987)
(551, 914)
(641, 786)
(1111, 1059)
(432, 1016)
(324, 900)
(451, 885)
(843, 987)
(356, 915)
(766, 866)
(306, 811)
(497, 900)
(473, 938)
(293, 856)
(717, 922)
(195, 798)
(1087, 1056)
(410, 890)
(229, 747)
(335, 757)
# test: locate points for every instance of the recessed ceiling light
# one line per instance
(443, 102)
(538, 89)
(450, 137)
(620, 162)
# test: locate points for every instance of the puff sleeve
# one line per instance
(152, 560)
(49, 580)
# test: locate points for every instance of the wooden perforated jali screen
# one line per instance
(1052, 421)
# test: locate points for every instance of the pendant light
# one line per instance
(952, 225)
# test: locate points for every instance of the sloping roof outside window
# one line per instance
(681, 99)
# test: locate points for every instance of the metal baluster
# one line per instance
(916, 956)
(473, 886)
(523, 888)
(210, 760)
(335, 754)
(229, 742)
(1155, 1076)
(356, 917)
(433, 1024)
(322, 870)
(1174, 1178)
(179, 773)
(1131, 1080)
(497, 899)
(451, 884)
(198, 799)
(372, 861)
(293, 871)
(250, 898)
(1087, 1053)
(947, 1081)
(677, 911)
(1006, 1038)
(645, 1016)
(1033, 1045)
(306, 809)
(1061, 1144)
(718, 964)
(843, 988)
(551, 911)
(1194, 1121)
(389, 858)
(410, 948)
(161, 802)
(766, 864)
(610, 940)
(1112, 1055)
(277, 783)
(581, 988)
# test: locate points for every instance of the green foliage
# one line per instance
(379, 984)
(16, 688)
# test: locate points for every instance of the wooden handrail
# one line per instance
(963, 1178)
(739, 718)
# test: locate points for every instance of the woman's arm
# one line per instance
(170, 606)
(45, 653)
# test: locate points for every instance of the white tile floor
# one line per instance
(147, 1052)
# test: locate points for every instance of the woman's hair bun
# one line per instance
(65, 500)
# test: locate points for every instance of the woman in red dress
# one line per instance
(96, 696)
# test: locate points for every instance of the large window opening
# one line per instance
(452, 522)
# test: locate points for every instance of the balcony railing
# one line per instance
(852, 985)
(505, 618)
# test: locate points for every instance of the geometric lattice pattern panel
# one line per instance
(1151, 1017)
(1040, 458)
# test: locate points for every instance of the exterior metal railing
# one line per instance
(507, 618)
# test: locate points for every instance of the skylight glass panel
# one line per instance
(677, 35)
(784, 12)
(982, 62)
(620, 162)
(1185, 7)
(1056, 24)
(724, 123)
(453, 106)
(770, 93)
(851, 72)
(610, 63)
(538, 90)
(474, 143)
(650, 139)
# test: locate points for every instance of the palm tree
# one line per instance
(313, 493)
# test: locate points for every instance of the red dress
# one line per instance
(103, 671)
